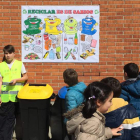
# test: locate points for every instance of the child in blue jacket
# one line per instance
(75, 89)
(121, 113)
(71, 94)
(131, 87)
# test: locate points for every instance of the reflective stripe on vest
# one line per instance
(7, 83)
(9, 92)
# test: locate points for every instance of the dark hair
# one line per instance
(70, 77)
(9, 49)
(114, 84)
(98, 90)
(132, 70)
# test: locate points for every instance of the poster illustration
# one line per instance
(60, 34)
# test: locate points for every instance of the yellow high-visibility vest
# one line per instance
(9, 92)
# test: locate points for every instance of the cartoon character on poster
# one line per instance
(70, 26)
(53, 25)
(32, 25)
(88, 26)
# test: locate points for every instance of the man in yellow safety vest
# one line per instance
(12, 77)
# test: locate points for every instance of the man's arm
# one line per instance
(22, 79)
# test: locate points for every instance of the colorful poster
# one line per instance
(60, 34)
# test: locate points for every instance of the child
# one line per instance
(87, 122)
(75, 89)
(131, 87)
(10, 83)
(121, 113)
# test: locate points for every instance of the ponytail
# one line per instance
(89, 109)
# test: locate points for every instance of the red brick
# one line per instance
(103, 10)
(124, 6)
(131, 55)
(124, 13)
(124, 36)
(123, 44)
(131, 40)
(98, 70)
(10, 7)
(107, 74)
(50, 3)
(115, 25)
(4, 10)
(66, 3)
(136, 6)
(99, 2)
(131, 32)
(4, 3)
(131, 25)
(91, 66)
(117, 32)
(114, 63)
(107, 14)
(116, 2)
(123, 59)
(18, 3)
(136, 36)
(115, 17)
(4, 18)
(131, 48)
(50, 77)
(91, 74)
(102, 63)
(83, 3)
(123, 51)
(34, 3)
(132, 2)
(115, 10)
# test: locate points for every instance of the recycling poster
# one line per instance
(60, 34)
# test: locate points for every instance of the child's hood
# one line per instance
(80, 87)
(75, 118)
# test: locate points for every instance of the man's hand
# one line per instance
(13, 82)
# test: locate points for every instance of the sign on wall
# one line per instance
(60, 34)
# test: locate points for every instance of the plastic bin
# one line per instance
(34, 101)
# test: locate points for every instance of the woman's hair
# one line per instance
(9, 49)
(95, 91)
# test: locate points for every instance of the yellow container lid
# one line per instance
(35, 92)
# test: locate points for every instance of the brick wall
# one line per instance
(119, 40)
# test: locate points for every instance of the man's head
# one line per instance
(9, 53)
(70, 77)
(131, 70)
(114, 84)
